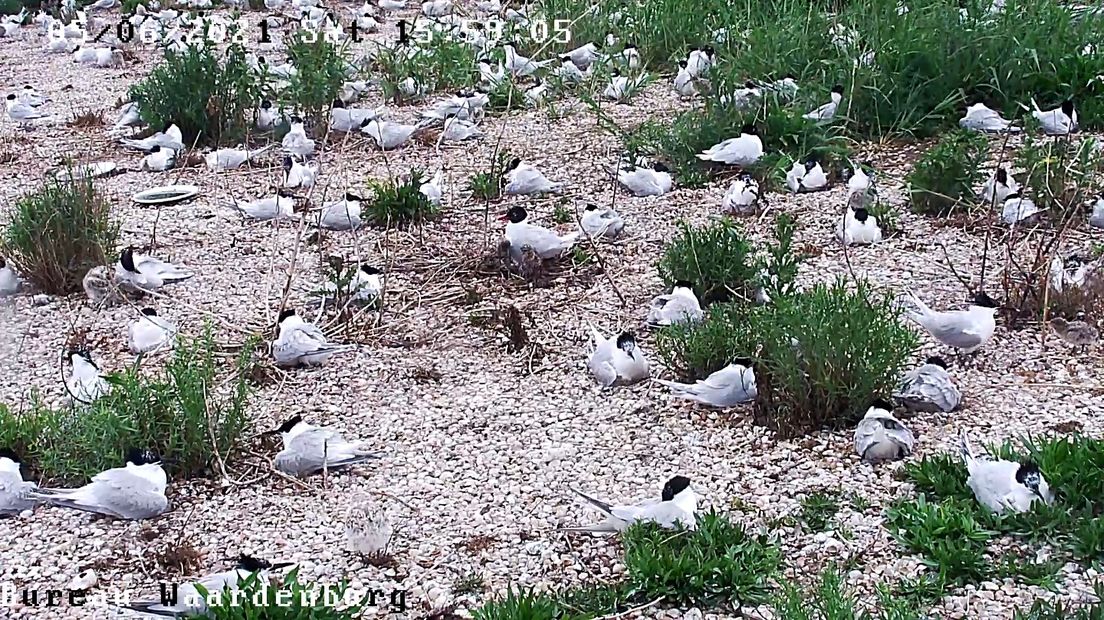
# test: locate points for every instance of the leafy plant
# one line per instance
(400, 202)
(830, 599)
(320, 72)
(439, 64)
(57, 233)
(948, 173)
(181, 414)
(818, 509)
(522, 604)
(820, 356)
(488, 185)
(1062, 175)
(208, 94)
(716, 257)
(719, 563)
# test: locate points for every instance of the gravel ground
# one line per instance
(479, 459)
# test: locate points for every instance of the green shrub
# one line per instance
(175, 414)
(320, 72)
(818, 509)
(1062, 175)
(523, 604)
(438, 65)
(821, 356)
(130, 6)
(400, 202)
(11, 7)
(928, 63)
(488, 185)
(717, 564)
(948, 173)
(56, 234)
(785, 134)
(288, 600)
(207, 93)
(716, 257)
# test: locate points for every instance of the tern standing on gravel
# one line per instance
(966, 330)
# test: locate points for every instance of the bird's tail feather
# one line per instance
(595, 334)
(920, 305)
(68, 503)
(261, 151)
(675, 385)
(597, 503)
(964, 447)
(596, 528)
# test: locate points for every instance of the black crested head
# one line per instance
(1002, 176)
(660, 167)
(746, 362)
(812, 163)
(684, 284)
(252, 564)
(682, 64)
(1073, 261)
(590, 207)
(514, 163)
(674, 486)
(295, 119)
(288, 162)
(139, 456)
(935, 360)
(126, 259)
(565, 58)
(370, 270)
(516, 215)
(881, 403)
(3, 263)
(11, 97)
(984, 300)
(1029, 475)
(337, 103)
(266, 104)
(790, 76)
(837, 89)
(708, 49)
(630, 46)
(626, 342)
(351, 197)
(156, 148)
(861, 214)
(8, 453)
(289, 424)
(749, 129)
(148, 312)
(1067, 107)
(285, 314)
(750, 85)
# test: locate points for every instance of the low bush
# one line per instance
(718, 564)
(821, 355)
(182, 414)
(11, 7)
(400, 202)
(56, 234)
(320, 72)
(818, 509)
(209, 94)
(947, 525)
(785, 134)
(948, 173)
(717, 258)
(488, 185)
(440, 64)
(1062, 175)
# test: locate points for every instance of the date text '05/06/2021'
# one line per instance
(219, 30)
